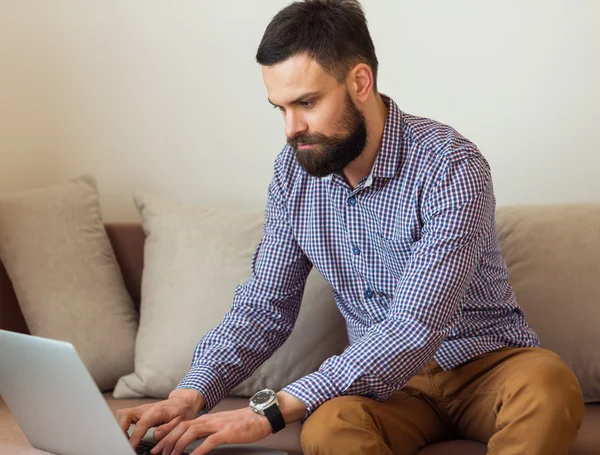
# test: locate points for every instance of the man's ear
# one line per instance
(361, 81)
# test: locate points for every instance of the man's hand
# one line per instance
(242, 426)
(232, 427)
(182, 405)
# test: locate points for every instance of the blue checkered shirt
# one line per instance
(412, 255)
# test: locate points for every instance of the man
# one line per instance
(397, 213)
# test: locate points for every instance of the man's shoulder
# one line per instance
(439, 153)
(434, 140)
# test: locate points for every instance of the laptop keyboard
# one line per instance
(144, 448)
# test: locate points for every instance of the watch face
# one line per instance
(262, 398)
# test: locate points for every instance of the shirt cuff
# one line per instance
(314, 390)
(206, 381)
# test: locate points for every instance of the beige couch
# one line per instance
(553, 254)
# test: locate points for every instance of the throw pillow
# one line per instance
(65, 275)
(193, 261)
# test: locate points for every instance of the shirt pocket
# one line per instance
(394, 253)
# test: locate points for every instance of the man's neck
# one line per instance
(375, 114)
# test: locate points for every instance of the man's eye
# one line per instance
(306, 103)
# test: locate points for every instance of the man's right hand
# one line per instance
(182, 404)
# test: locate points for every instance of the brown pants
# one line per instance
(523, 401)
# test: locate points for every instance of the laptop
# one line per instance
(59, 408)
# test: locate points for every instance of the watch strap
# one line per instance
(275, 417)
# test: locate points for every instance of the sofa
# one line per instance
(553, 255)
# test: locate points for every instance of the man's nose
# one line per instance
(294, 125)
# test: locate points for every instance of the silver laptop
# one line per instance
(60, 409)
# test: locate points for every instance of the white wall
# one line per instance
(166, 96)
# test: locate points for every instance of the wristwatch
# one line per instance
(265, 404)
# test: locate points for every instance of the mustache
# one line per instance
(307, 139)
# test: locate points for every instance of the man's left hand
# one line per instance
(242, 426)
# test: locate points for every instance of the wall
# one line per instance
(167, 97)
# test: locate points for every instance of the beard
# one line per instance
(332, 154)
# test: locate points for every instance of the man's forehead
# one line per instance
(294, 76)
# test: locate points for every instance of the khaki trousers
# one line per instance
(519, 401)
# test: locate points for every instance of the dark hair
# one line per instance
(333, 32)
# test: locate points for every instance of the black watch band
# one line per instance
(275, 418)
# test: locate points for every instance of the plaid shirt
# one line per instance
(412, 255)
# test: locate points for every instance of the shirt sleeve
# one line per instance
(427, 299)
(263, 312)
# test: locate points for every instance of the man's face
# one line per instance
(322, 123)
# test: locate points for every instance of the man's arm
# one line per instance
(263, 312)
(427, 299)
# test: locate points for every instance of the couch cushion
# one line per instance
(13, 441)
(65, 275)
(455, 448)
(553, 256)
(194, 259)
(587, 443)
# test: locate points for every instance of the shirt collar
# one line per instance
(387, 162)
(388, 156)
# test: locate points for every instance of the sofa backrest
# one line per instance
(553, 257)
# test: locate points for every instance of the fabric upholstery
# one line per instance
(553, 257)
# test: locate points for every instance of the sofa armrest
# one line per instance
(11, 317)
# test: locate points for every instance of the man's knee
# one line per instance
(551, 386)
(332, 422)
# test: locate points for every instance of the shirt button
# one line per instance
(356, 250)
(352, 201)
(368, 293)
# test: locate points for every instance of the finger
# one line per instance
(193, 432)
(124, 422)
(130, 416)
(125, 417)
(165, 446)
(165, 429)
(149, 419)
(209, 444)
